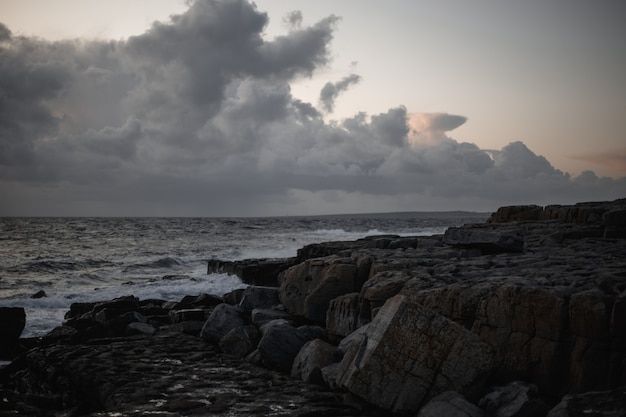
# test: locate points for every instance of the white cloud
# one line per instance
(196, 117)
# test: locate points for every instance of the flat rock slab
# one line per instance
(170, 375)
(409, 354)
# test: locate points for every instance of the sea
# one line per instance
(46, 264)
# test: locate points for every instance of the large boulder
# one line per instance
(281, 343)
(307, 288)
(410, 354)
(342, 317)
(12, 322)
(222, 319)
(259, 297)
(313, 356)
(450, 404)
(240, 341)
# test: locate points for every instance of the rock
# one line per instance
(597, 404)
(194, 314)
(138, 328)
(259, 297)
(281, 343)
(252, 271)
(240, 341)
(330, 374)
(516, 213)
(261, 316)
(450, 404)
(516, 399)
(310, 360)
(342, 316)
(354, 337)
(222, 319)
(234, 297)
(202, 300)
(489, 242)
(39, 294)
(410, 354)
(12, 322)
(307, 288)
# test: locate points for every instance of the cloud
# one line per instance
(196, 117)
(330, 91)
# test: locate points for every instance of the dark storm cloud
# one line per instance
(330, 91)
(196, 117)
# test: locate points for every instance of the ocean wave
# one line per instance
(52, 266)
(161, 263)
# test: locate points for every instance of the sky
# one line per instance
(293, 107)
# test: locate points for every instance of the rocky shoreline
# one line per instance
(524, 315)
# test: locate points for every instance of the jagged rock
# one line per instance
(489, 242)
(343, 315)
(310, 360)
(259, 297)
(121, 305)
(240, 341)
(307, 289)
(330, 374)
(137, 328)
(12, 322)
(410, 354)
(261, 316)
(202, 300)
(354, 337)
(597, 404)
(516, 213)
(234, 297)
(516, 399)
(378, 289)
(450, 404)
(222, 319)
(194, 314)
(281, 343)
(252, 271)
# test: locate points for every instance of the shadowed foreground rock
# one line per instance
(168, 374)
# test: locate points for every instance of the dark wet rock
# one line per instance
(311, 358)
(259, 297)
(489, 242)
(281, 342)
(261, 316)
(234, 297)
(450, 404)
(202, 300)
(342, 317)
(263, 272)
(194, 314)
(166, 374)
(610, 403)
(516, 399)
(222, 319)
(240, 341)
(12, 322)
(307, 289)
(39, 294)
